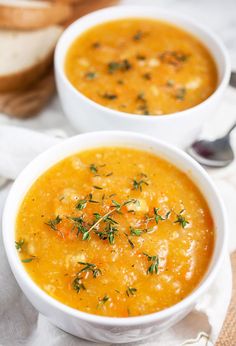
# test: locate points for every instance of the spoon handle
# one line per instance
(231, 129)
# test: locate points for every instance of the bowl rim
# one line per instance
(18, 268)
(169, 17)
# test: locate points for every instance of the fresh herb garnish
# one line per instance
(180, 94)
(90, 75)
(28, 260)
(153, 268)
(173, 58)
(103, 300)
(131, 291)
(136, 232)
(98, 187)
(78, 285)
(157, 216)
(109, 96)
(123, 65)
(181, 219)
(90, 267)
(81, 204)
(19, 244)
(129, 241)
(93, 168)
(138, 184)
(53, 223)
(138, 36)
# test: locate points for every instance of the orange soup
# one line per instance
(141, 66)
(116, 232)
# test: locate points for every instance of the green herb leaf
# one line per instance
(53, 223)
(137, 184)
(153, 268)
(109, 96)
(131, 291)
(19, 244)
(28, 260)
(78, 285)
(181, 219)
(81, 204)
(93, 168)
(123, 65)
(90, 75)
(136, 232)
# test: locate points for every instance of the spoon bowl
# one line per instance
(217, 153)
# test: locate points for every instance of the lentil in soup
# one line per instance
(141, 66)
(116, 232)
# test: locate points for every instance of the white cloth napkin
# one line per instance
(20, 323)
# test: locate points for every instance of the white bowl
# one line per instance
(93, 327)
(178, 128)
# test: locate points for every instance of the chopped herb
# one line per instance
(173, 58)
(109, 96)
(19, 244)
(104, 300)
(93, 168)
(120, 81)
(81, 204)
(123, 65)
(28, 260)
(136, 232)
(90, 199)
(109, 174)
(180, 94)
(90, 267)
(138, 36)
(141, 96)
(131, 291)
(137, 184)
(109, 233)
(157, 216)
(90, 75)
(78, 285)
(98, 187)
(153, 268)
(97, 216)
(129, 241)
(53, 223)
(181, 219)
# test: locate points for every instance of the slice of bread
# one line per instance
(27, 103)
(25, 56)
(33, 14)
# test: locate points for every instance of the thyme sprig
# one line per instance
(102, 301)
(19, 244)
(131, 291)
(90, 267)
(153, 268)
(181, 219)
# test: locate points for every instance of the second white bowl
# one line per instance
(178, 128)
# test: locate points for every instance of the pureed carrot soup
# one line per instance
(115, 232)
(141, 66)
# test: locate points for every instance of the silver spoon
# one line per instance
(216, 153)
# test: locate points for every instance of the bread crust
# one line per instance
(29, 18)
(22, 79)
(27, 103)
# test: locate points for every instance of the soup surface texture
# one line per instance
(141, 66)
(116, 232)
